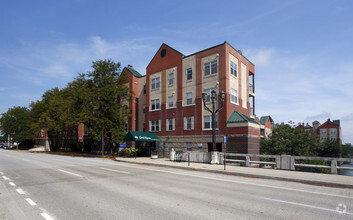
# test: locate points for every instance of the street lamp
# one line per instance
(213, 112)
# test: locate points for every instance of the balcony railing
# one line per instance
(251, 88)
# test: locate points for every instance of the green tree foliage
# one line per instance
(54, 112)
(101, 97)
(16, 123)
(98, 99)
(289, 141)
(286, 139)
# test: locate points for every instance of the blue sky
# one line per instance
(302, 49)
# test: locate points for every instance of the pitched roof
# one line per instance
(337, 122)
(237, 117)
(134, 72)
(263, 120)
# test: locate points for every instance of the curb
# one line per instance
(309, 182)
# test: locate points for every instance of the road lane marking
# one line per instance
(74, 174)
(46, 216)
(305, 205)
(118, 171)
(30, 201)
(25, 159)
(5, 178)
(20, 191)
(12, 184)
(239, 182)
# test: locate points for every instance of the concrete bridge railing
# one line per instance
(288, 162)
(283, 162)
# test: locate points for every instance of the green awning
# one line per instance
(141, 136)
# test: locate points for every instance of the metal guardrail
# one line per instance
(287, 162)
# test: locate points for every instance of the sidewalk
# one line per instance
(331, 180)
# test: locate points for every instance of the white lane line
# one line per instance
(20, 191)
(25, 160)
(239, 182)
(117, 171)
(5, 178)
(12, 184)
(305, 205)
(46, 216)
(74, 174)
(30, 201)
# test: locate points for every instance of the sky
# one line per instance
(302, 49)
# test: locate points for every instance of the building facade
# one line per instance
(168, 100)
(330, 130)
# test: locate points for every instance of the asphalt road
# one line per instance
(47, 186)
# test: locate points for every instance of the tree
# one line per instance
(54, 113)
(16, 123)
(101, 96)
(289, 141)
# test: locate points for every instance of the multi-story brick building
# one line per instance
(168, 100)
(330, 130)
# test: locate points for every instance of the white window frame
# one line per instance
(155, 84)
(233, 69)
(189, 99)
(171, 101)
(170, 124)
(171, 78)
(155, 126)
(210, 67)
(209, 118)
(189, 74)
(234, 96)
(155, 104)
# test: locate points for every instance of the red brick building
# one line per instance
(174, 109)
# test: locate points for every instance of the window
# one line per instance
(333, 130)
(233, 69)
(210, 68)
(144, 89)
(154, 125)
(323, 131)
(171, 78)
(188, 146)
(155, 104)
(188, 123)
(144, 108)
(233, 96)
(189, 98)
(170, 124)
(208, 122)
(155, 83)
(189, 74)
(333, 138)
(171, 101)
(208, 91)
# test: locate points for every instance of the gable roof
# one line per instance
(237, 117)
(164, 44)
(134, 72)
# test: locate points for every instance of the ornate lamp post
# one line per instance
(213, 112)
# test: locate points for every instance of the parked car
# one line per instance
(5, 147)
(2, 145)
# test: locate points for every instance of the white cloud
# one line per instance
(262, 57)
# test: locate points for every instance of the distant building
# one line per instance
(330, 130)
(266, 126)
